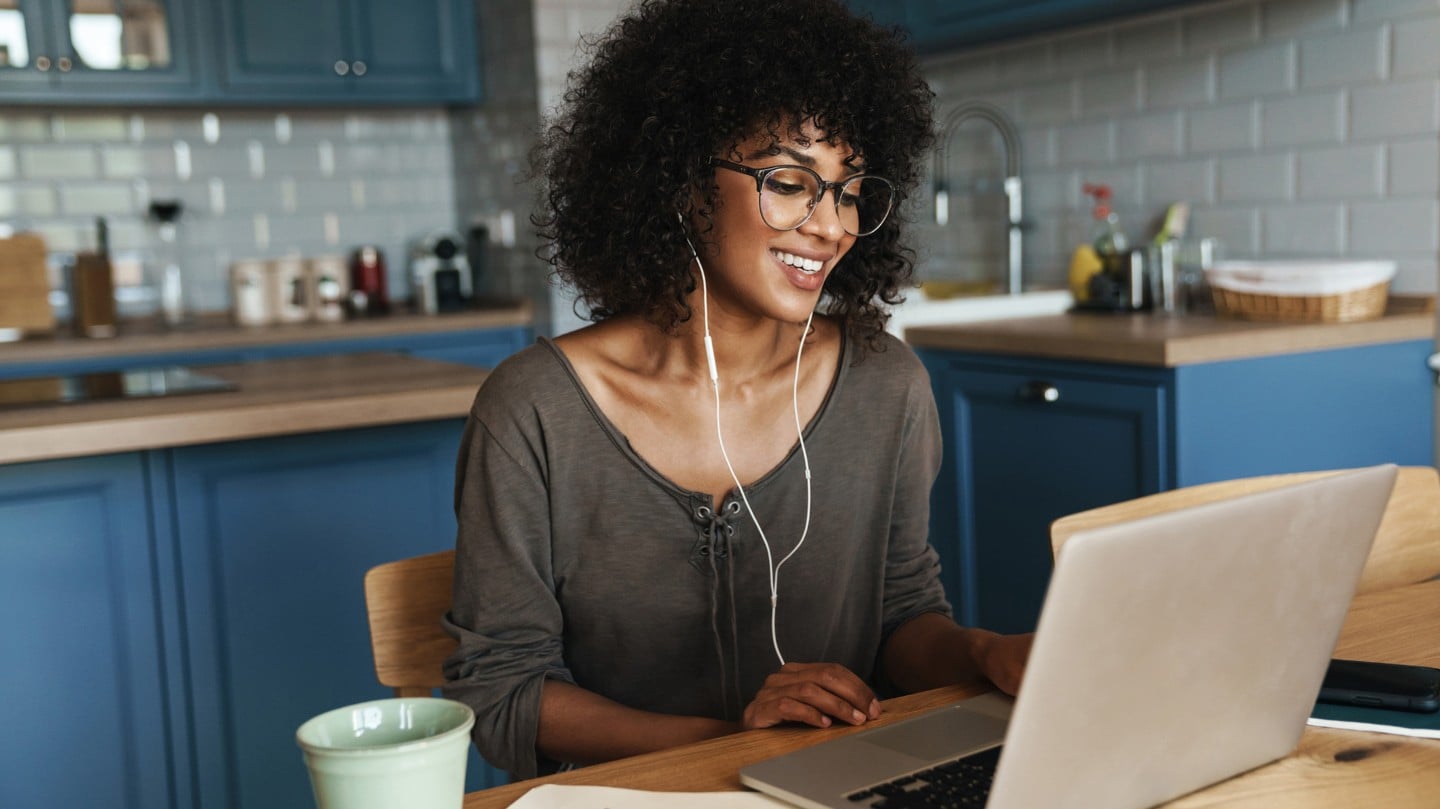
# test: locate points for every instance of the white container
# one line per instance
(249, 294)
(288, 294)
(327, 280)
(1299, 278)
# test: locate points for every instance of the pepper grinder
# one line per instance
(170, 281)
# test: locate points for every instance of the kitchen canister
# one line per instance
(249, 293)
(288, 291)
(327, 280)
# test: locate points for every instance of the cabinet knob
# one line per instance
(64, 64)
(1038, 391)
(358, 68)
(42, 63)
(342, 67)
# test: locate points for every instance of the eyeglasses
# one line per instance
(789, 194)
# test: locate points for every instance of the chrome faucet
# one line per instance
(1011, 138)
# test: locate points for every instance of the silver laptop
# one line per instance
(1173, 651)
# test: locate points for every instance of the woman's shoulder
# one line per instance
(533, 374)
(886, 358)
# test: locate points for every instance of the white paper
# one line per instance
(1394, 730)
(557, 796)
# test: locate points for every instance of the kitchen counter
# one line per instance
(217, 332)
(275, 397)
(1150, 340)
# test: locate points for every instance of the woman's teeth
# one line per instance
(805, 265)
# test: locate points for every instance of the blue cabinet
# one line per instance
(70, 52)
(91, 677)
(943, 25)
(417, 51)
(482, 348)
(1028, 441)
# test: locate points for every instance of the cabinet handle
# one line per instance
(42, 63)
(342, 67)
(64, 64)
(358, 68)
(1038, 391)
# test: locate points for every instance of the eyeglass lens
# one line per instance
(788, 195)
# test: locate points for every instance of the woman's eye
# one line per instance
(780, 186)
(849, 200)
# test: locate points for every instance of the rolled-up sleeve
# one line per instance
(504, 613)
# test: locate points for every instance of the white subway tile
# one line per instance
(1308, 230)
(1046, 103)
(7, 162)
(9, 203)
(85, 127)
(1316, 118)
(1085, 144)
(1394, 110)
(1228, 27)
(94, 199)
(36, 201)
(1083, 52)
(1155, 135)
(1258, 71)
(1180, 83)
(1108, 94)
(1416, 275)
(961, 74)
(1354, 57)
(1257, 178)
(1237, 229)
(65, 236)
(1037, 147)
(59, 162)
(1149, 40)
(1227, 128)
(1414, 168)
(1392, 227)
(1416, 49)
(1026, 62)
(1190, 181)
(24, 128)
(1051, 192)
(1367, 10)
(1347, 172)
(1289, 18)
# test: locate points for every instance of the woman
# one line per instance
(650, 551)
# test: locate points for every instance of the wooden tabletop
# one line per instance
(1330, 769)
(1157, 340)
(274, 397)
(217, 332)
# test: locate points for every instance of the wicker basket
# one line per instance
(1357, 304)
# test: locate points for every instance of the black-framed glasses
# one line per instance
(789, 194)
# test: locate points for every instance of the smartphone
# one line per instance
(1382, 685)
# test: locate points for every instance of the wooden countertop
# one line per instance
(275, 397)
(1146, 339)
(217, 332)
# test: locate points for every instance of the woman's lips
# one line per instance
(809, 281)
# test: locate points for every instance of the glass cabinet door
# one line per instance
(25, 55)
(134, 44)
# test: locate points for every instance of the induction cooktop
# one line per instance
(141, 383)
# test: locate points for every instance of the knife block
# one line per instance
(92, 296)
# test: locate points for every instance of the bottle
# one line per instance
(170, 279)
(1108, 239)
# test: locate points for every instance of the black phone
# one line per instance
(1382, 685)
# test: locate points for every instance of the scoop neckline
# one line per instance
(622, 442)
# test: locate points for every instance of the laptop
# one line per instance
(1173, 651)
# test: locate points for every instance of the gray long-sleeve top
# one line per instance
(578, 561)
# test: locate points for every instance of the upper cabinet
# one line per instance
(93, 50)
(349, 50)
(122, 52)
(937, 26)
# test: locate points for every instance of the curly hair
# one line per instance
(675, 82)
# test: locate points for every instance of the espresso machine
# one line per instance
(440, 274)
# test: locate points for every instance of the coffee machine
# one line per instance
(440, 274)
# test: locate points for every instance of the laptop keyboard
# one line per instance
(963, 783)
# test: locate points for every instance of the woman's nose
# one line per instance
(824, 220)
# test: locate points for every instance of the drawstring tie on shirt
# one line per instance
(713, 544)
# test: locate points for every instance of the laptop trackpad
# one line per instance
(941, 735)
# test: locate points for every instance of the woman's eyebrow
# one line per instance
(794, 154)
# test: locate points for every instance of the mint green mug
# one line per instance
(408, 752)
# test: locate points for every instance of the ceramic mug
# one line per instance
(408, 751)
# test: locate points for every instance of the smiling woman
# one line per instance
(708, 510)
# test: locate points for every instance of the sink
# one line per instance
(918, 310)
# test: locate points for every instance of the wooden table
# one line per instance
(1330, 769)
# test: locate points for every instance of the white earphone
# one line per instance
(772, 565)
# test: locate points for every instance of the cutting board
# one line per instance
(24, 285)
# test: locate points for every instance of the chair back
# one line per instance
(405, 601)
(1407, 545)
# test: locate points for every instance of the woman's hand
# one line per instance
(813, 694)
(1002, 658)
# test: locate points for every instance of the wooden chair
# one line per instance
(404, 601)
(1407, 546)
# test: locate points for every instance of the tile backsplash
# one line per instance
(253, 182)
(1294, 128)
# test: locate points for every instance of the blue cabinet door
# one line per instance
(410, 47)
(87, 692)
(285, 48)
(1025, 444)
(276, 536)
(942, 25)
(28, 68)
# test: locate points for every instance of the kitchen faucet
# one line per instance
(1011, 138)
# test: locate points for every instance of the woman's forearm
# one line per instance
(582, 727)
